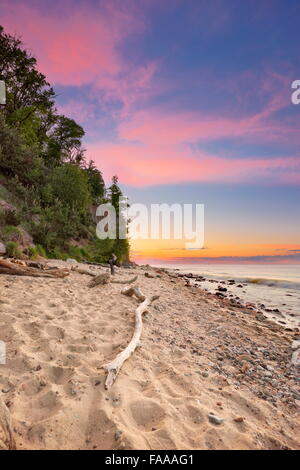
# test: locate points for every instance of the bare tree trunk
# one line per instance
(6, 267)
(112, 267)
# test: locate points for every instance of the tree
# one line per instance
(64, 144)
(27, 89)
(96, 182)
(70, 185)
(121, 245)
(16, 157)
(43, 162)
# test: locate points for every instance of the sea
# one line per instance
(270, 287)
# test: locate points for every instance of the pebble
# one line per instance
(118, 435)
(296, 358)
(296, 344)
(222, 289)
(215, 419)
(239, 419)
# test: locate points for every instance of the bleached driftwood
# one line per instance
(134, 290)
(114, 367)
(6, 267)
(124, 281)
(83, 271)
(7, 441)
(105, 278)
(100, 279)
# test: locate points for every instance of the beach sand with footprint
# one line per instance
(59, 333)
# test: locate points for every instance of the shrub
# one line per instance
(12, 249)
(11, 217)
(35, 251)
(31, 251)
(70, 185)
(75, 252)
(41, 251)
(56, 253)
(9, 232)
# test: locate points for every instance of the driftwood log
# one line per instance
(114, 366)
(7, 441)
(105, 278)
(6, 267)
(83, 271)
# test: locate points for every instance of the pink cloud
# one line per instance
(155, 147)
(170, 128)
(77, 46)
(80, 46)
(145, 165)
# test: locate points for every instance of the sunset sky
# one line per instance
(188, 101)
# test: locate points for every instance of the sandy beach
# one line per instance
(208, 374)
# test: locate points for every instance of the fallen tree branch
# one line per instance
(100, 279)
(83, 271)
(7, 441)
(114, 367)
(130, 291)
(124, 281)
(6, 267)
(105, 278)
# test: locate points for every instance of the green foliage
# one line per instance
(9, 232)
(34, 251)
(56, 253)
(96, 182)
(70, 185)
(41, 251)
(10, 217)
(12, 249)
(28, 92)
(65, 142)
(42, 161)
(17, 158)
(120, 246)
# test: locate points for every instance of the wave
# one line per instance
(283, 283)
(260, 281)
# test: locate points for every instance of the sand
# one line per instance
(198, 355)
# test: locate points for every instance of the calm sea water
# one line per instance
(275, 286)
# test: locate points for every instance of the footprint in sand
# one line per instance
(214, 440)
(194, 415)
(55, 332)
(34, 386)
(70, 360)
(100, 433)
(32, 329)
(46, 406)
(58, 375)
(81, 348)
(147, 414)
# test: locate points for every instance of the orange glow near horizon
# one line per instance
(174, 250)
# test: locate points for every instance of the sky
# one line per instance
(187, 101)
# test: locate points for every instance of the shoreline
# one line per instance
(257, 299)
(208, 374)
